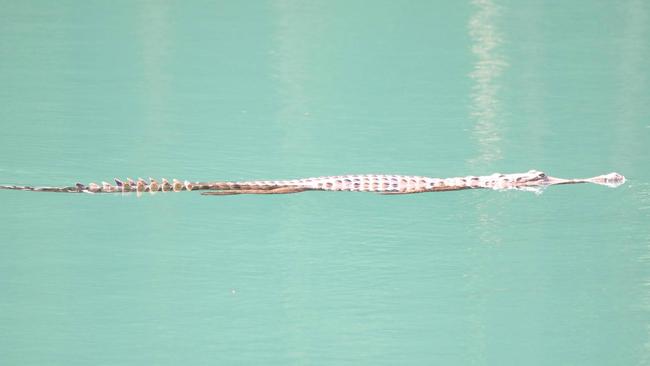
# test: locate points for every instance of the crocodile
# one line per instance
(532, 180)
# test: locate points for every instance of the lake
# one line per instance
(226, 90)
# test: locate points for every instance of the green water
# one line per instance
(267, 90)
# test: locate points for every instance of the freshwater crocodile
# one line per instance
(378, 183)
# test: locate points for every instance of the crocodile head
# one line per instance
(532, 177)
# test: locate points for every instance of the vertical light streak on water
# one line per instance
(154, 42)
(291, 54)
(487, 133)
(489, 66)
(289, 60)
(642, 217)
(632, 108)
(153, 31)
(632, 81)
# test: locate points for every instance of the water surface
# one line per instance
(284, 89)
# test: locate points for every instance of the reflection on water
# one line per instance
(470, 277)
(631, 72)
(486, 109)
(632, 85)
(643, 199)
(154, 37)
(489, 65)
(487, 133)
(290, 55)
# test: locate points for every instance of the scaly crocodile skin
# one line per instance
(380, 183)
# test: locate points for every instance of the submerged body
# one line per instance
(379, 183)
